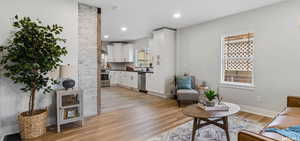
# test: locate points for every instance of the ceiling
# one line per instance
(142, 16)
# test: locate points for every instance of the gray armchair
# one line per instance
(187, 94)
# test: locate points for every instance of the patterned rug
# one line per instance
(210, 132)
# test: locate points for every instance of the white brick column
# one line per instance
(87, 59)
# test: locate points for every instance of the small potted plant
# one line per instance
(211, 96)
(30, 54)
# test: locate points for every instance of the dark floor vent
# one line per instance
(12, 137)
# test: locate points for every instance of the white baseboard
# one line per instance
(157, 94)
(127, 87)
(135, 89)
(258, 111)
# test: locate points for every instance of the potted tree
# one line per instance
(30, 54)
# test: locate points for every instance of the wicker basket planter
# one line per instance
(33, 126)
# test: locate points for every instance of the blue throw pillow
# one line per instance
(184, 82)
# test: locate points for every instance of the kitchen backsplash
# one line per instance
(120, 66)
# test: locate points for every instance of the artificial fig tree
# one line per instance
(30, 54)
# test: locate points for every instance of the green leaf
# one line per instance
(210, 94)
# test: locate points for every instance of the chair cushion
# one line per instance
(188, 94)
(187, 91)
(184, 82)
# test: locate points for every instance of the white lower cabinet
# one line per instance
(150, 83)
(133, 79)
(124, 78)
(114, 77)
(121, 78)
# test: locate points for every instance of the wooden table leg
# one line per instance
(198, 124)
(194, 128)
(225, 121)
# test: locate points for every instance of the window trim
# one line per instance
(236, 85)
(222, 77)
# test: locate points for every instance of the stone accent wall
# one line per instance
(87, 59)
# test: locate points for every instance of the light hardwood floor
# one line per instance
(135, 117)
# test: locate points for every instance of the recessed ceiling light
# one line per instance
(124, 28)
(176, 15)
(106, 36)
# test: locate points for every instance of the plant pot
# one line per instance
(32, 126)
(210, 103)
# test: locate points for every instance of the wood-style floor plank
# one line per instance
(129, 116)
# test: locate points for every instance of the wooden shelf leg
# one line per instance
(58, 128)
(82, 122)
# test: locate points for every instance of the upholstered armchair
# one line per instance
(186, 94)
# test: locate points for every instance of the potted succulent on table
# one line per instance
(211, 96)
(30, 54)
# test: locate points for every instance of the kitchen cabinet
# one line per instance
(114, 77)
(119, 52)
(110, 52)
(133, 79)
(150, 83)
(162, 47)
(124, 78)
(128, 53)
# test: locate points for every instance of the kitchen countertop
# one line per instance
(133, 71)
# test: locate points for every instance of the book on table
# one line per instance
(219, 107)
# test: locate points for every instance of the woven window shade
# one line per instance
(238, 52)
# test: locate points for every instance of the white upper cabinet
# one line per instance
(110, 53)
(119, 52)
(128, 53)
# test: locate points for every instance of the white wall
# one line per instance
(61, 12)
(277, 54)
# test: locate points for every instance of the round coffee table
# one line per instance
(210, 117)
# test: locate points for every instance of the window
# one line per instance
(237, 59)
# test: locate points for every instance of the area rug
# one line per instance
(209, 133)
